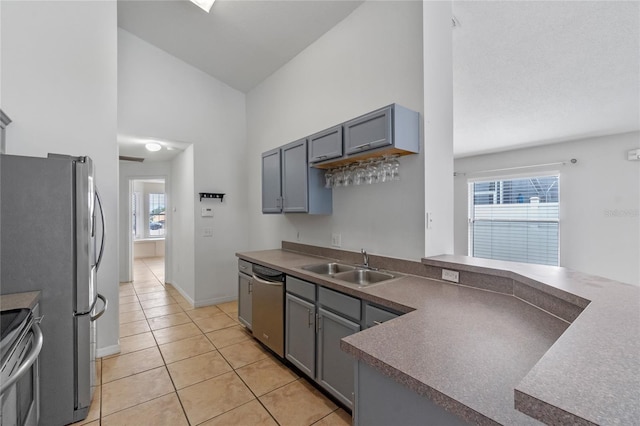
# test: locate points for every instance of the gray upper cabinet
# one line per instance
(369, 131)
(325, 145)
(294, 177)
(289, 185)
(271, 185)
(394, 128)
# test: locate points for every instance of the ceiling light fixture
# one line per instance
(152, 146)
(203, 4)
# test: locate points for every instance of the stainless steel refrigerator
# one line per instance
(52, 239)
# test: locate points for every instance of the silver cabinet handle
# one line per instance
(28, 362)
(310, 320)
(250, 286)
(104, 308)
(274, 283)
(243, 267)
(377, 323)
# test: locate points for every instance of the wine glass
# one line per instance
(328, 176)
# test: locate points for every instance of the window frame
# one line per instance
(471, 220)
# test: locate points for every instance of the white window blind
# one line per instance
(515, 219)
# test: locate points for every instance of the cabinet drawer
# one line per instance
(325, 145)
(374, 315)
(301, 288)
(340, 303)
(244, 267)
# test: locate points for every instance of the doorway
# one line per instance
(148, 219)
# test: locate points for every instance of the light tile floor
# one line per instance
(184, 366)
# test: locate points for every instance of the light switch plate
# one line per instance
(336, 240)
(207, 232)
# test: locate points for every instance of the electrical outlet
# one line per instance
(207, 232)
(336, 240)
(453, 276)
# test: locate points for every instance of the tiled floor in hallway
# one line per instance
(184, 366)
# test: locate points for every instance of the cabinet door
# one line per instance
(300, 332)
(370, 131)
(244, 300)
(295, 177)
(325, 145)
(271, 186)
(335, 368)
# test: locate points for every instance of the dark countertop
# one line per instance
(465, 348)
(19, 300)
(592, 372)
(474, 351)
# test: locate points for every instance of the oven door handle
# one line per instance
(273, 283)
(28, 362)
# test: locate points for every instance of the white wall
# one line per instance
(181, 238)
(133, 170)
(163, 97)
(371, 59)
(599, 201)
(438, 127)
(58, 84)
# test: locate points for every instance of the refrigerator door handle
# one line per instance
(104, 308)
(99, 259)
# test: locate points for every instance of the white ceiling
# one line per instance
(240, 42)
(525, 73)
(529, 73)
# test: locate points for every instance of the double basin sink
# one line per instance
(350, 274)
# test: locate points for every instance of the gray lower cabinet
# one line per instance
(335, 367)
(300, 334)
(374, 315)
(244, 299)
(381, 401)
(313, 329)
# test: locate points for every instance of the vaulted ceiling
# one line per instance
(525, 72)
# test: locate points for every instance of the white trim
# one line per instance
(215, 301)
(108, 350)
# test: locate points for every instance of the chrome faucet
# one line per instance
(365, 258)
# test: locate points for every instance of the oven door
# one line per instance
(21, 391)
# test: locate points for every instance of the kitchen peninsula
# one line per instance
(560, 346)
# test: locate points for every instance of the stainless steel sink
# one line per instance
(363, 277)
(329, 268)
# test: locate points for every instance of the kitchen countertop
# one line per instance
(19, 300)
(474, 351)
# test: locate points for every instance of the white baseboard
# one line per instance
(201, 303)
(109, 350)
(214, 301)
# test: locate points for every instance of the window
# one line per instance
(515, 219)
(156, 215)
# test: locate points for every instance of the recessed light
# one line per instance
(203, 4)
(152, 146)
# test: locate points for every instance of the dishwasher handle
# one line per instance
(273, 283)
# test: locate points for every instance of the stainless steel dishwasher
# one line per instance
(268, 307)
